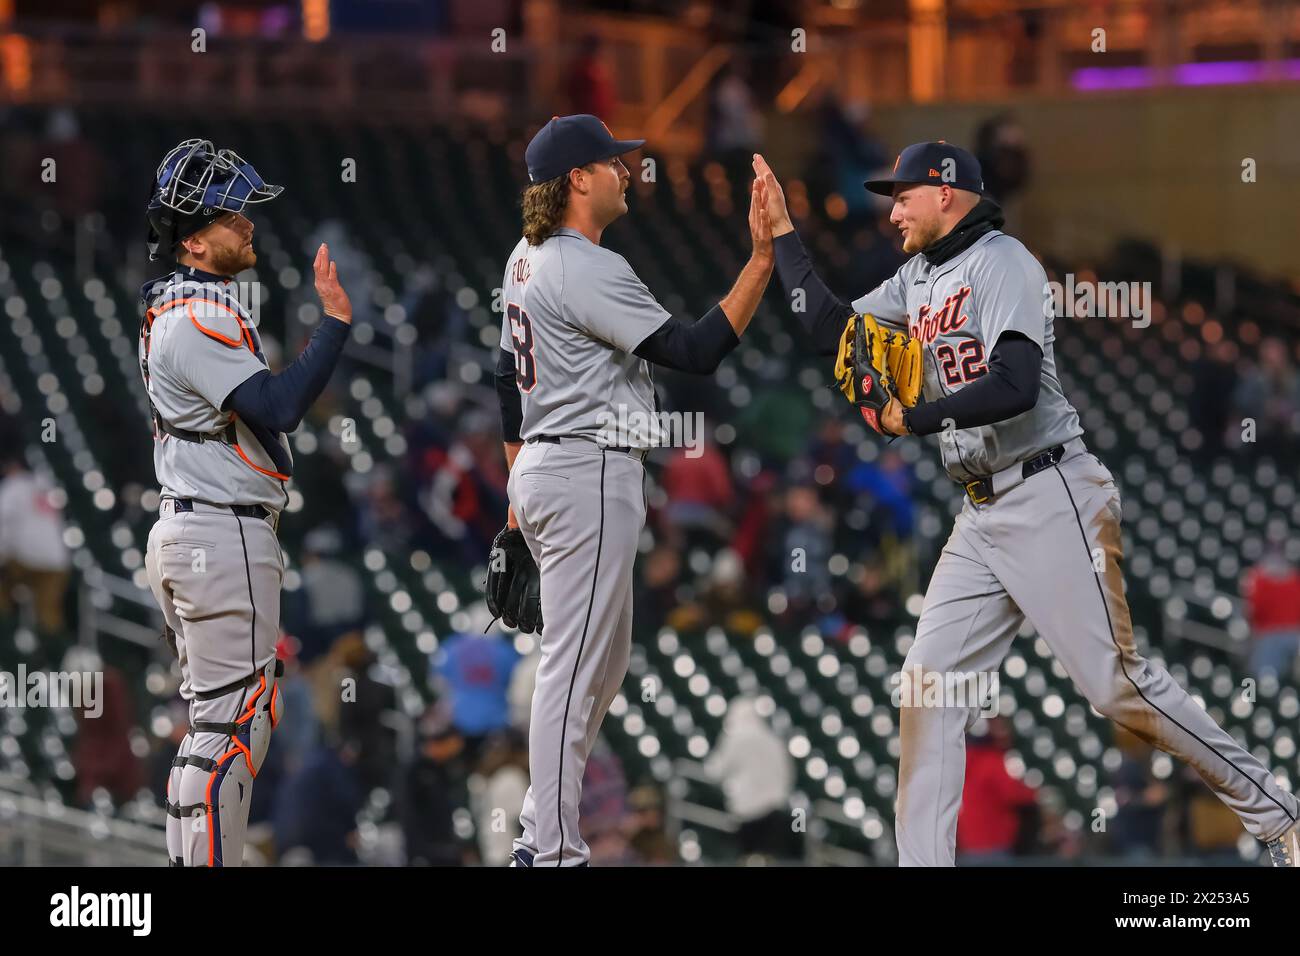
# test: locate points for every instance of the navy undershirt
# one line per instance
(279, 401)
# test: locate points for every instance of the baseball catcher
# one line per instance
(219, 422)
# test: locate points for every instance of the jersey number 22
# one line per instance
(964, 365)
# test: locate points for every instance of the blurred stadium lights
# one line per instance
(801, 85)
(16, 57)
(316, 19)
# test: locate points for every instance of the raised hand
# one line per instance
(760, 228)
(333, 299)
(777, 213)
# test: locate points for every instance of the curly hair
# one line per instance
(544, 205)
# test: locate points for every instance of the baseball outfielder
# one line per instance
(579, 335)
(223, 463)
(1039, 534)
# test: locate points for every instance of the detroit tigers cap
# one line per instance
(932, 164)
(567, 142)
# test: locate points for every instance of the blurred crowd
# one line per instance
(741, 536)
(1246, 402)
(1157, 807)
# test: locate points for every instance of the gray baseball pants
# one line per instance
(1049, 550)
(581, 509)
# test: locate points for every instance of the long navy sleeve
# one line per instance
(823, 314)
(512, 404)
(280, 400)
(1009, 388)
(697, 347)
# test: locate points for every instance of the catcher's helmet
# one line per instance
(196, 184)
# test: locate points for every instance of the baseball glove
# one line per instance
(875, 365)
(514, 583)
(904, 364)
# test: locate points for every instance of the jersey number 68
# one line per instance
(521, 332)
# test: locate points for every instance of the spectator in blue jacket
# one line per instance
(473, 672)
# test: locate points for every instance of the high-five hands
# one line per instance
(777, 213)
(760, 228)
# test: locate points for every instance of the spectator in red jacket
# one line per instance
(102, 755)
(590, 84)
(992, 802)
(1271, 590)
(697, 483)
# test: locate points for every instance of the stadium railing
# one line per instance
(39, 832)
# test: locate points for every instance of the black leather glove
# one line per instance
(514, 584)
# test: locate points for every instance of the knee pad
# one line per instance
(260, 715)
(230, 731)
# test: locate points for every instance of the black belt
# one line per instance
(243, 511)
(557, 439)
(981, 489)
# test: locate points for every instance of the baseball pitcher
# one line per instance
(965, 322)
(578, 337)
(223, 464)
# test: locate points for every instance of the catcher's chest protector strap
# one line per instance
(227, 435)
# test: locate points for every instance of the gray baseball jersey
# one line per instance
(201, 345)
(574, 314)
(958, 310)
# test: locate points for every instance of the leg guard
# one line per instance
(175, 853)
(230, 730)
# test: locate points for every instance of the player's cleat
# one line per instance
(520, 858)
(1285, 850)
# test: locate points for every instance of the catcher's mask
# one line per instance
(196, 184)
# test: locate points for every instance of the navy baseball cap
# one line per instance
(932, 164)
(567, 142)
